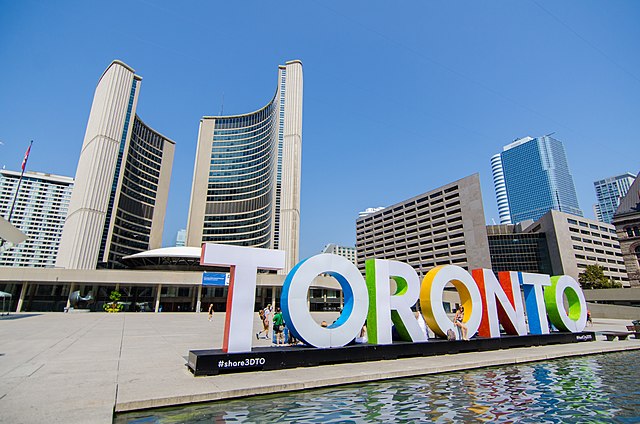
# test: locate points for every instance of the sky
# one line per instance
(399, 97)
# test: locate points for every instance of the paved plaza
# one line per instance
(81, 367)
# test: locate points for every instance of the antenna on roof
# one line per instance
(222, 105)
(550, 134)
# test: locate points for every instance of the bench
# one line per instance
(635, 330)
(620, 335)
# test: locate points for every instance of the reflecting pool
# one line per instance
(599, 388)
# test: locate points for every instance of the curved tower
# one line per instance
(119, 199)
(246, 181)
(501, 189)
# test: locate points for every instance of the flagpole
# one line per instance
(24, 165)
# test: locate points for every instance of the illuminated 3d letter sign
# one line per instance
(385, 308)
(501, 303)
(576, 318)
(244, 263)
(431, 300)
(488, 302)
(294, 301)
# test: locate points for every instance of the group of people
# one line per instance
(275, 321)
(281, 334)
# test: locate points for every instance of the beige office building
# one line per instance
(246, 180)
(575, 242)
(119, 200)
(440, 227)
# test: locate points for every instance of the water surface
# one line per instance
(599, 388)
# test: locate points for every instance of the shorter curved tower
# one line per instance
(246, 180)
(119, 200)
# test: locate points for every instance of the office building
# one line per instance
(609, 192)
(512, 248)
(39, 212)
(246, 180)
(440, 227)
(557, 244)
(119, 200)
(575, 242)
(627, 224)
(181, 238)
(535, 176)
(344, 251)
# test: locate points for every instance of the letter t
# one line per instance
(241, 295)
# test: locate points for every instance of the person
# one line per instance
(589, 320)
(210, 311)
(265, 325)
(422, 324)
(278, 326)
(362, 335)
(324, 324)
(458, 321)
(268, 316)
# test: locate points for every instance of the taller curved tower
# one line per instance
(501, 189)
(119, 200)
(246, 179)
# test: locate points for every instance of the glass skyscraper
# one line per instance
(246, 180)
(537, 178)
(609, 191)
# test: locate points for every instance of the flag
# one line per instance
(26, 156)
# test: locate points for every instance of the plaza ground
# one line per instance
(81, 367)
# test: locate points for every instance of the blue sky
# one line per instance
(399, 97)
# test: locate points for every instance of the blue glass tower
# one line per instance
(537, 178)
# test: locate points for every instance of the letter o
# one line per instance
(573, 320)
(431, 299)
(294, 301)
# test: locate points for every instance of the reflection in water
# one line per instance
(585, 389)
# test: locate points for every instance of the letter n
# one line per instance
(502, 303)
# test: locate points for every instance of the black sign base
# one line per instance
(215, 361)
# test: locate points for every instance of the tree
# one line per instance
(114, 306)
(593, 278)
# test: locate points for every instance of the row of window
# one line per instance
(592, 226)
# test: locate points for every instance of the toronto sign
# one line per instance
(522, 303)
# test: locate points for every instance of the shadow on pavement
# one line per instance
(18, 316)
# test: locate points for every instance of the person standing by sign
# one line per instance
(278, 326)
(268, 317)
(265, 325)
(422, 323)
(210, 311)
(458, 322)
